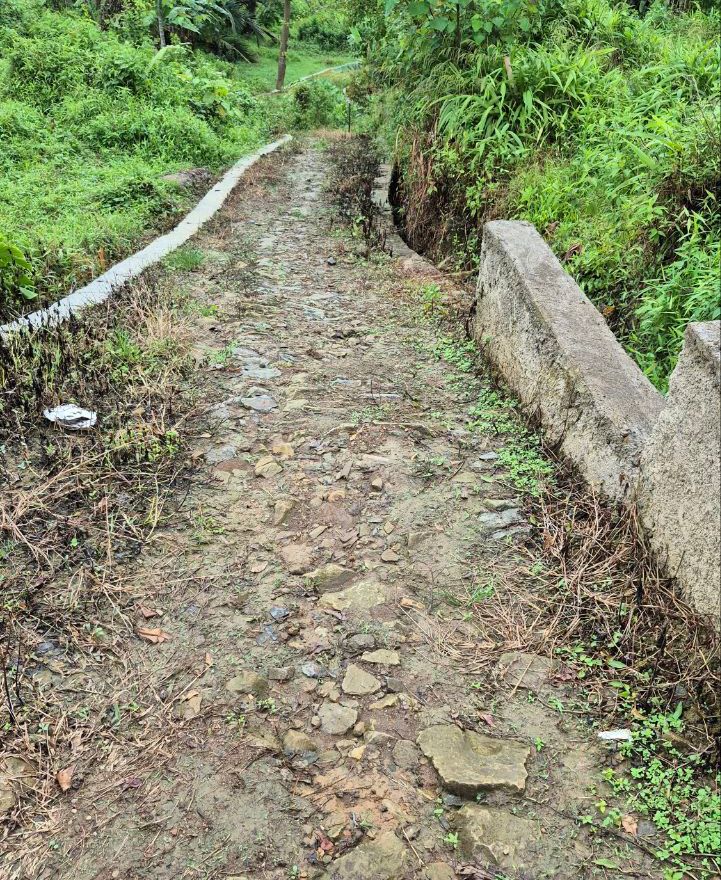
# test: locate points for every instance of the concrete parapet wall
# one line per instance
(679, 488)
(560, 359)
(558, 356)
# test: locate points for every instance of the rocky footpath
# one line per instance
(315, 710)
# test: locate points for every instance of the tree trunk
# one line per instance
(282, 55)
(161, 23)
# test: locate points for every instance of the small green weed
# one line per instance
(670, 787)
(185, 259)
(451, 839)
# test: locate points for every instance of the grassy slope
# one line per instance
(82, 152)
(302, 61)
(607, 140)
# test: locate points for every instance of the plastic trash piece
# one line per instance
(71, 417)
(615, 735)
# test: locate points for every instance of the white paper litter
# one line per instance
(71, 417)
(614, 735)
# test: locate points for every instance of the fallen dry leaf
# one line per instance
(629, 824)
(156, 636)
(487, 718)
(407, 602)
(258, 567)
(65, 777)
(208, 660)
(148, 612)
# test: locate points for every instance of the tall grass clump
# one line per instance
(594, 121)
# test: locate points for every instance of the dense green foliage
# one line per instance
(92, 119)
(597, 123)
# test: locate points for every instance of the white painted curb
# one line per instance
(349, 65)
(102, 287)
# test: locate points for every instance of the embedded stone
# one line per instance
(495, 836)
(358, 682)
(336, 719)
(384, 858)
(248, 682)
(295, 742)
(382, 657)
(469, 763)
(359, 597)
(330, 577)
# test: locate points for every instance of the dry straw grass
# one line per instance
(75, 509)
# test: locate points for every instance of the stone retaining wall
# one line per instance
(558, 356)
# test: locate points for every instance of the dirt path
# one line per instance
(320, 707)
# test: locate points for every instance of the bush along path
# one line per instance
(296, 687)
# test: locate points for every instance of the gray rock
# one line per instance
(469, 763)
(264, 403)
(330, 577)
(360, 597)
(261, 373)
(248, 682)
(295, 742)
(298, 558)
(358, 682)
(394, 685)
(282, 510)
(384, 858)
(500, 503)
(492, 834)
(313, 670)
(361, 642)
(280, 673)
(216, 454)
(520, 669)
(406, 754)
(336, 719)
(278, 613)
(382, 657)
(501, 519)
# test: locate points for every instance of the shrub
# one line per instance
(327, 30)
(15, 281)
(317, 103)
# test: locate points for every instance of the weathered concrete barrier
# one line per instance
(679, 486)
(558, 356)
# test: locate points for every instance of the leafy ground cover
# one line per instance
(92, 121)
(596, 122)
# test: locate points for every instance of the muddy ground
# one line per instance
(312, 700)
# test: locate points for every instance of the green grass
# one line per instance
(91, 121)
(303, 61)
(601, 127)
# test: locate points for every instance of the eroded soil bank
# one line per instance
(310, 698)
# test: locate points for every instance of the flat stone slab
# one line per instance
(336, 720)
(248, 682)
(384, 858)
(358, 683)
(468, 762)
(498, 837)
(264, 403)
(330, 577)
(359, 597)
(383, 657)
(529, 671)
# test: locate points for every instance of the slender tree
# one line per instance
(282, 55)
(161, 23)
